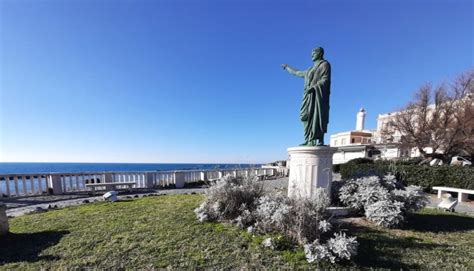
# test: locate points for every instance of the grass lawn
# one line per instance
(163, 232)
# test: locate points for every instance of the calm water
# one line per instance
(24, 168)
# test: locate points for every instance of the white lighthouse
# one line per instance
(360, 120)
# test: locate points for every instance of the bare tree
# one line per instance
(439, 118)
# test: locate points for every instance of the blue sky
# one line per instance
(200, 81)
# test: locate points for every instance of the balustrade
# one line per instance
(15, 185)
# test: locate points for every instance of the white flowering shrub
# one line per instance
(306, 216)
(343, 247)
(390, 182)
(337, 248)
(245, 218)
(362, 192)
(302, 220)
(385, 201)
(272, 213)
(230, 199)
(386, 213)
(348, 195)
(205, 213)
(324, 226)
(412, 197)
(315, 252)
(295, 221)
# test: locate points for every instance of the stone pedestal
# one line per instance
(310, 168)
(4, 228)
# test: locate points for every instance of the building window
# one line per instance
(335, 142)
(353, 140)
(343, 141)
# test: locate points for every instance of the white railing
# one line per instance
(15, 185)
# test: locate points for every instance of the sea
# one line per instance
(25, 168)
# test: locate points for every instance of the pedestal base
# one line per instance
(310, 168)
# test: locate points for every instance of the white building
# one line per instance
(393, 149)
(359, 136)
(364, 143)
(353, 144)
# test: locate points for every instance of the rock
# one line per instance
(448, 203)
(268, 243)
(110, 196)
(4, 227)
(251, 230)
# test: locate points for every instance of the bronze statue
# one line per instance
(314, 111)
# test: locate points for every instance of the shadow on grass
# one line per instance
(439, 223)
(378, 250)
(27, 247)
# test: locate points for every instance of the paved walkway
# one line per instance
(23, 205)
(462, 207)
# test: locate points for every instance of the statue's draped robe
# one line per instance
(314, 111)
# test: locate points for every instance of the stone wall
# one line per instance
(3, 220)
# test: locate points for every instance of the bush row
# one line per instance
(301, 221)
(420, 175)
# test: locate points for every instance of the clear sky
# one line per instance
(200, 81)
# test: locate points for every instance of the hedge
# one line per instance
(421, 175)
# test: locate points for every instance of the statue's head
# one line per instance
(318, 53)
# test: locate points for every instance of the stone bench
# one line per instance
(462, 193)
(110, 186)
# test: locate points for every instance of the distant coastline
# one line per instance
(24, 168)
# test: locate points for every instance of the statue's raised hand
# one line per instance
(284, 66)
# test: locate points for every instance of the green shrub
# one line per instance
(360, 161)
(427, 176)
(420, 175)
(356, 161)
(350, 171)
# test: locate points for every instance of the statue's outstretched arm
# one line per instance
(293, 71)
